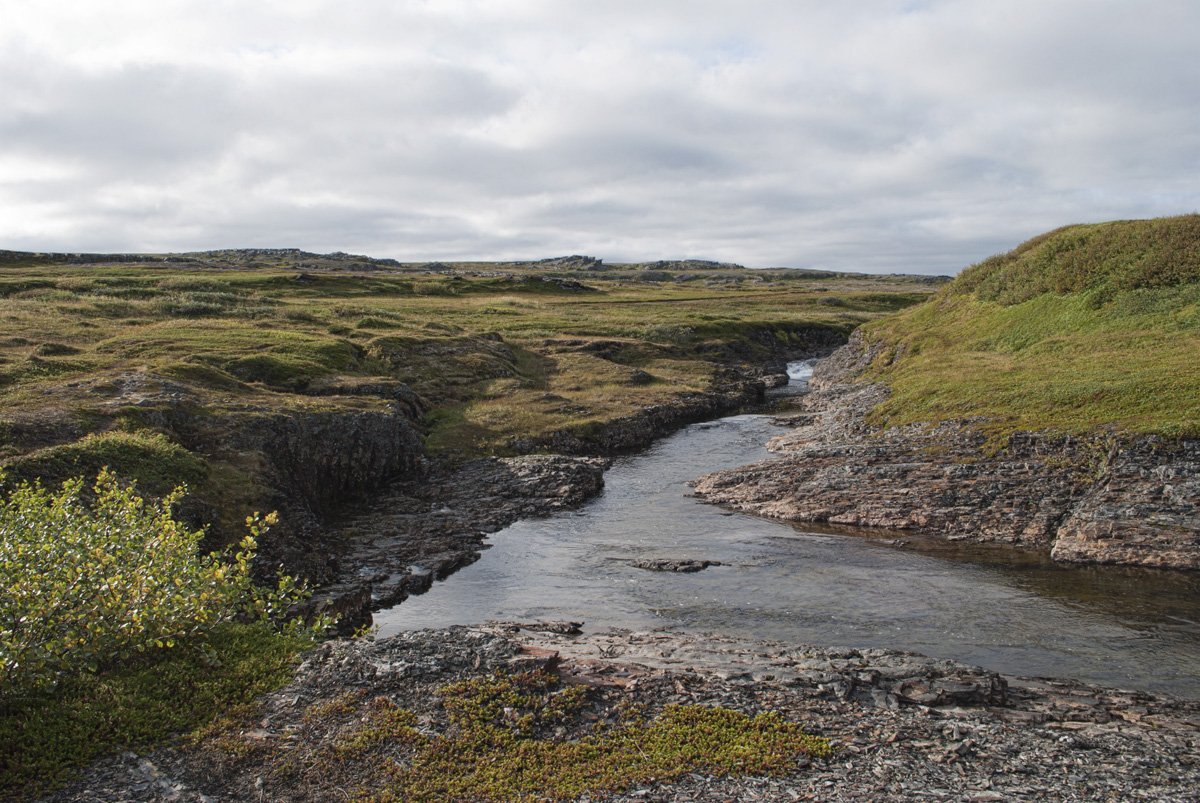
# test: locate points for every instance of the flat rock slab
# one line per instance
(666, 565)
(904, 726)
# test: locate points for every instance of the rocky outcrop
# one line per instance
(422, 529)
(1143, 508)
(1089, 500)
(903, 726)
(321, 457)
(305, 461)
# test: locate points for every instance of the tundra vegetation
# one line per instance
(506, 736)
(1082, 327)
(123, 625)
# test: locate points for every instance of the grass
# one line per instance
(1082, 328)
(224, 330)
(43, 741)
(147, 458)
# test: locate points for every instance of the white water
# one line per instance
(1002, 609)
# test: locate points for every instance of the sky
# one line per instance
(880, 136)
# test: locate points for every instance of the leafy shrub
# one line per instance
(89, 586)
(43, 741)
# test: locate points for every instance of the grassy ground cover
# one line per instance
(1083, 327)
(102, 358)
(73, 336)
(44, 740)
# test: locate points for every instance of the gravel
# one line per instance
(905, 727)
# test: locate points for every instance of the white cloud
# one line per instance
(893, 136)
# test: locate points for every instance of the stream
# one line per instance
(1010, 610)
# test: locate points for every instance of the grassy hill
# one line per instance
(1084, 327)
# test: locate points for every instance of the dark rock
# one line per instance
(685, 566)
(1090, 500)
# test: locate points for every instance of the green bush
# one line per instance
(86, 586)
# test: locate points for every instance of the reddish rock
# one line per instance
(1090, 500)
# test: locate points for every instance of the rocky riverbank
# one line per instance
(421, 529)
(903, 727)
(432, 521)
(1100, 499)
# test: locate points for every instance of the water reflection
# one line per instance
(1009, 610)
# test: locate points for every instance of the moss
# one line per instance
(502, 746)
(509, 737)
(202, 374)
(148, 458)
(42, 742)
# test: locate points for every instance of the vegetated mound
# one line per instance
(1084, 327)
(1100, 260)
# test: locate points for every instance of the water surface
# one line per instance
(1008, 610)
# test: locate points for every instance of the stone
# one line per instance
(682, 566)
(1094, 499)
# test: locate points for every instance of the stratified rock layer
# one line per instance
(1090, 500)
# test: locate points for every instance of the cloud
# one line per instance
(881, 136)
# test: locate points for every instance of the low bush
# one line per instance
(87, 586)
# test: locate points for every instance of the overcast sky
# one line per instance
(874, 135)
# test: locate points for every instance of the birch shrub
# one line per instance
(85, 585)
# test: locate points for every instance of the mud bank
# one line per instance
(1098, 499)
(903, 726)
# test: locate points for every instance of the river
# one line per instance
(1013, 611)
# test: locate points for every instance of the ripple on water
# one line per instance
(1013, 611)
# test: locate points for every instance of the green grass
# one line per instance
(183, 351)
(261, 335)
(148, 458)
(1082, 328)
(42, 742)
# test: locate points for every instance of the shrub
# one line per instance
(43, 741)
(86, 586)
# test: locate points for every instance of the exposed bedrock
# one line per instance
(420, 530)
(366, 516)
(305, 464)
(1089, 500)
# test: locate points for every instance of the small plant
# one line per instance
(502, 746)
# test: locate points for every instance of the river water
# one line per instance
(1008, 610)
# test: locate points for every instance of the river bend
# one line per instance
(1008, 610)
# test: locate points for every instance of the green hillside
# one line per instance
(1084, 327)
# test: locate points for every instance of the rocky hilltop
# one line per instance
(1045, 399)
